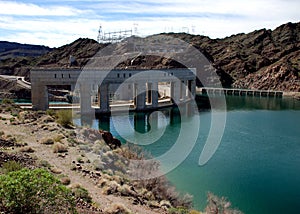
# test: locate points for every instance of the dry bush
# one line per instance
(44, 163)
(81, 193)
(126, 190)
(59, 148)
(216, 205)
(55, 170)
(159, 186)
(27, 149)
(111, 187)
(64, 118)
(47, 141)
(58, 137)
(117, 208)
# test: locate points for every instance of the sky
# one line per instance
(58, 22)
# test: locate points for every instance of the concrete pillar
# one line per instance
(154, 95)
(85, 99)
(149, 93)
(191, 88)
(182, 90)
(39, 97)
(140, 96)
(175, 91)
(104, 97)
(72, 87)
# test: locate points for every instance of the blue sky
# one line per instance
(58, 22)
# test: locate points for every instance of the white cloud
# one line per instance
(23, 9)
(56, 25)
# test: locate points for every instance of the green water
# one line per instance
(256, 166)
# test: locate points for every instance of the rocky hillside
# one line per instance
(13, 49)
(81, 50)
(263, 59)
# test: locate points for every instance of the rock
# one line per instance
(165, 203)
(153, 204)
(112, 142)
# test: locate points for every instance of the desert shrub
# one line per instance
(65, 180)
(58, 137)
(179, 210)
(7, 101)
(50, 112)
(10, 166)
(59, 148)
(64, 118)
(47, 141)
(44, 163)
(159, 186)
(81, 193)
(14, 114)
(117, 208)
(34, 191)
(55, 170)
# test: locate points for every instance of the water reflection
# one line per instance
(142, 122)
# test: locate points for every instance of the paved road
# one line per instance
(19, 79)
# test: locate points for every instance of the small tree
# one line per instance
(34, 191)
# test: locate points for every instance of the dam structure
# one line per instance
(240, 92)
(102, 91)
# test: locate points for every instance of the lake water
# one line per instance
(256, 166)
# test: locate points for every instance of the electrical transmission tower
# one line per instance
(112, 37)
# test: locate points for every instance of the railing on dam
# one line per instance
(240, 92)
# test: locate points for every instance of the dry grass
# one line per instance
(117, 208)
(59, 148)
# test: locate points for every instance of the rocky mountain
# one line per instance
(262, 59)
(13, 49)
